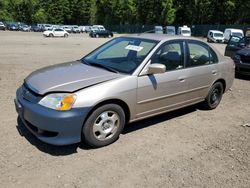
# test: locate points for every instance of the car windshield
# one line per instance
(218, 35)
(237, 34)
(121, 54)
(185, 31)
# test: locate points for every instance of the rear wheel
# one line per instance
(104, 125)
(214, 96)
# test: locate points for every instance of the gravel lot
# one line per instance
(185, 148)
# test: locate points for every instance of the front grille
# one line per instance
(30, 95)
(245, 59)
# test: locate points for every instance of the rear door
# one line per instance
(201, 63)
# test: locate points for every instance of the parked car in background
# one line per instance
(170, 30)
(136, 77)
(67, 28)
(215, 36)
(158, 29)
(87, 28)
(2, 26)
(13, 27)
(82, 29)
(228, 33)
(239, 49)
(36, 28)
(184, 31)
(75, 29)
(56, 33)
(99, 31)
(47, 27)
(25, 28)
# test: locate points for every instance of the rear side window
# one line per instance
(200, 54)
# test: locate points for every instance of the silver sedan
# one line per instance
(125, 80)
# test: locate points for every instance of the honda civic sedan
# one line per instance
(125, 80)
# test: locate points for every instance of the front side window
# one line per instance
(170, 55)
(121, 54)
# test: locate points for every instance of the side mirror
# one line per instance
(156, 68)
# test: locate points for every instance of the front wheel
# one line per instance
(51, 35)
(214, 96)
(66, 35)
(104, 125)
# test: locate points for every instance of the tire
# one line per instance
(214, 96)
(51, 35)
(104, 125)
(66, 35)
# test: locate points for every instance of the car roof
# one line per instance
(234, 29)
(215, 31)
(160, 37)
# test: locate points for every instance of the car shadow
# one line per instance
(158, 119)
(47, 148)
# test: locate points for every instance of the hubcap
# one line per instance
(106, 125)
(215, 96)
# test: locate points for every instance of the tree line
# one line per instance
(120, 12)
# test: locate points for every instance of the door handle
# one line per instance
(182, 79)
(214, 72)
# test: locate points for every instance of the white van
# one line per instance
(232, 32)
(158, 29)
(184, 31)
(215, 36)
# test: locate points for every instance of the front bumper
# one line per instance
(48, 125)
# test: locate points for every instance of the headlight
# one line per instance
(58, 101)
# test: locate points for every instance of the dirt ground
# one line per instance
(185, 148)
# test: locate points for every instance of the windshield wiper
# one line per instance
(100, 65)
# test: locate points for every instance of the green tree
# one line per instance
(40, 16)
(4, 13)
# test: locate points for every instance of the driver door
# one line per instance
(166, 91)
(233, 46)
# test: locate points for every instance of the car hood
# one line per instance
(244, 52)
(67, 77)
